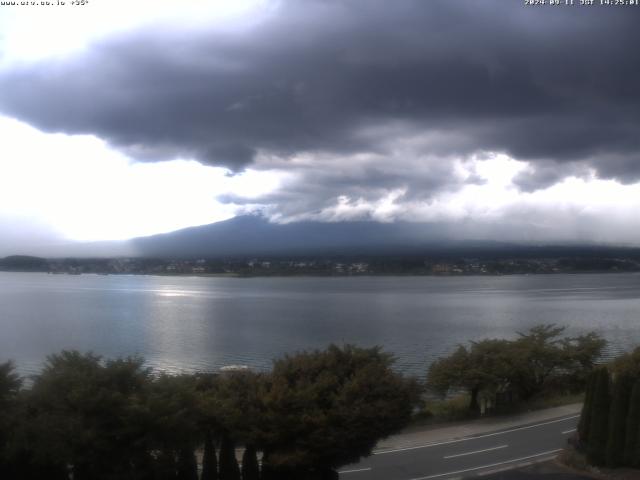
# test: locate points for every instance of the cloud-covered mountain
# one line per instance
(254, 235)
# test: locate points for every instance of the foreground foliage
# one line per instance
(609, 428)
(329, 408)
(86, 418)
(496, 371)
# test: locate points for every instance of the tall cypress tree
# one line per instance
(187, 465)
(617, 420)
(632, 440)
(250, 468)
(165, 466)
(229, 469)
(267, 472)
(209, 459)
(598, 426)
(587, 411)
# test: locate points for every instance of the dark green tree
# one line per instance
(209, 421)
(84, 413)
(267, 471)
(587, 410)
(598, 428)
(609, 428)
(229, 469)
(537, 355)
(628, 365)
(209, 459)
(519, 368)
(250, 468)
(485, 366)
(238, 406)
(632, 440)
(10, 383)
(187, 465)
(325, 409)
(164, 466)
(581, 354)
(618, 420)
(237, 403)
(172, 417)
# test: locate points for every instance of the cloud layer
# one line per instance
(359, 101)
(538, 83)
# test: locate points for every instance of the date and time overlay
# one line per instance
(529, 3)
(582, 3)
(45, 3)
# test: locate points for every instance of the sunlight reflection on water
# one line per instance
(192, 323)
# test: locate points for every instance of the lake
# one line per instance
(203, 323)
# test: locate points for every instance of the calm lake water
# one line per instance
(194, 323)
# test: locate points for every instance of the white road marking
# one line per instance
(477, 451)
(357, 470)
(428, 445)
(488, 466)
(569, 431)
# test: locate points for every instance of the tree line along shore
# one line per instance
(84, 417)
(344, 265)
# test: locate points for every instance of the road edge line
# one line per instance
(482, 467)
(466, 439)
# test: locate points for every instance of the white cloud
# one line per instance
(80, 188)
(34, 32)
(489, 205)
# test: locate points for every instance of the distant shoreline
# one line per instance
(327, 275)
(329, 266)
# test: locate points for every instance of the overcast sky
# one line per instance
(127, 118)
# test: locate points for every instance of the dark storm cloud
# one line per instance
(546, 84)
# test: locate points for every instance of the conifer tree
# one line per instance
(267, 472)
(209, 459)
(598, 426)
(632, 440)
(165, 467)
(229, 469)
(10, 384)
(250, 468)
(587, 411)
(187, 465)
(617, 420)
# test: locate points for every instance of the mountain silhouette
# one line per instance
(255, 235)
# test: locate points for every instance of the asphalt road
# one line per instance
(467, 456)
